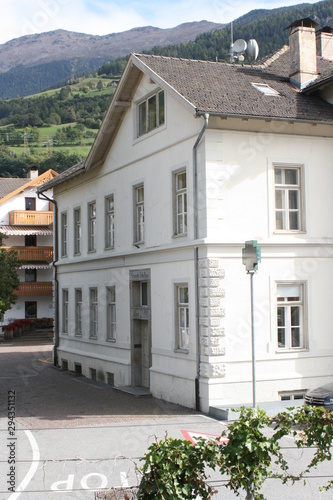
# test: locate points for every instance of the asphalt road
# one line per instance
(65, 437)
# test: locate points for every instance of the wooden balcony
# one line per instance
(30, 218)
(32, 289)
(33, 254)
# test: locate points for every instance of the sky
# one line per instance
(102, 17)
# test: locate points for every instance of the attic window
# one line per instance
(151, 113)
(265, 89)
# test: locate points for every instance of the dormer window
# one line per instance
(151, 113)
(265, 89)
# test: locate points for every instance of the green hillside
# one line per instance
(53, 129)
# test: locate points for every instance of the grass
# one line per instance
(79, 150)
(78, 86)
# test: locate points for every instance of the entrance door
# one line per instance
(145, 354)
(141, 359)
(141, 328)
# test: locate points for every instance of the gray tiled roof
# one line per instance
(226, 89)
(66, 175)
(7, 185)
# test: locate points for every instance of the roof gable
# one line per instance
(19, 187)
(216, 88)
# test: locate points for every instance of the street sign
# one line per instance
(251, 256)
(192, 436)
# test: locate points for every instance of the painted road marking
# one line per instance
(33, 468)
(192, 436)
(46, 360)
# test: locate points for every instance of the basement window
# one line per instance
(265, 89)
(291, 396)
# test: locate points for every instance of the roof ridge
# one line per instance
(172, 58)
(273, 57)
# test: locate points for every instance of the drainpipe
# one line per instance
(196, 260)
(56, 284)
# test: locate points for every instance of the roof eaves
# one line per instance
(67, 175)
(106, 129)
(317, 84)
(240, 116)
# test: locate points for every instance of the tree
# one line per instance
(9, 280)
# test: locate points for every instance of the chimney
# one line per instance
(32, 174)
(325, 43)
(303, 56)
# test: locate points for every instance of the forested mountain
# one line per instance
(33, 63)
(268, 27)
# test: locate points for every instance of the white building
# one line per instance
(193, 159)
(27, 223)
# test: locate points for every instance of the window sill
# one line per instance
(152, 132)
(92, 251)
(138, 243)
(291, 232)
(93, 337)
(112, 341)
(292, 350)
(181, 351)
(77, 254)
(180, 235)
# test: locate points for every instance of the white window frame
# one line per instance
(93, 309)
(147, 121)
(65, 310)
(111, 317)
(266, 89)
(92, 226)
(77, 230)
(109, 221)
(180, 203)
(286, 293)
(182, 317)
(64, 234)
(285, 211)
(139, 214)
(78, 312)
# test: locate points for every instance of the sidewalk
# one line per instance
(271, 408)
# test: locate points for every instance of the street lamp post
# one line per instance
(251, 256)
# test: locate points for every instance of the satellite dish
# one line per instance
(239, 45)
(252, 49)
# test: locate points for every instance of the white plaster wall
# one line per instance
(18, 203)
(276, 370)
(114, 357)
(239, 184)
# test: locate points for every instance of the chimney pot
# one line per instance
(33, 174)
(324, 39)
